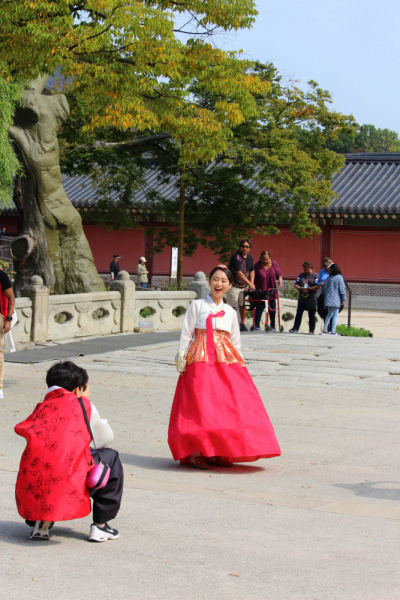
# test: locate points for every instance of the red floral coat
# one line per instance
(51, 482)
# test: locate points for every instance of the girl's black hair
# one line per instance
(224, 270)
(334, 270)
(67, 375)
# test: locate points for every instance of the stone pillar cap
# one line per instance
(124, 275)
(199, 276)
(36, 280)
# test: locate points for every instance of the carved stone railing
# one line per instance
(42, 317)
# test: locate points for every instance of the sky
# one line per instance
(350, 47)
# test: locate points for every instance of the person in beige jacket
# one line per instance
(142, 273)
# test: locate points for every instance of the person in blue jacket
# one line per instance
(335, 297)
(322, 277)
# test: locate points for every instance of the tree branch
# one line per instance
(137, 142)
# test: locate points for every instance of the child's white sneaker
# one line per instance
(41, 530)
(1, 394)
(102, 534)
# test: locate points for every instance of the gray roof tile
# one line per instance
(368, 182)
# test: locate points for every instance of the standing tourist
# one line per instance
(266, 273)
(7, 306)
(306, 284)
(335, 297)
(114, 267)
(142, 273)
(242, 269)
(217, 416)
(322, 277)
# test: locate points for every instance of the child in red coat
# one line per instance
(51, 483)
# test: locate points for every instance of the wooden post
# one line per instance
(181, 226)
(148, 252)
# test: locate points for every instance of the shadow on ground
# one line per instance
(17, 533)
(159, 463)
(381, 490)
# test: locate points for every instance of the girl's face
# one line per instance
(219, 285)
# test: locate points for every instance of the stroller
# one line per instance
(252, 299)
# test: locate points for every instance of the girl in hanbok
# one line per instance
(217, 416)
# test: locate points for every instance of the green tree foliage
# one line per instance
(366, 138)
(281, 151)
(132, 63)
(9, 166)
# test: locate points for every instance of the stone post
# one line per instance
(39, 295)
(127, 289)
(199, 285)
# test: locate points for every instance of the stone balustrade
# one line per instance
(42, 317)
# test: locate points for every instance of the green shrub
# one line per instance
(178, 311)
(353, 331)
(173, 286)
(145, 312)
(290, 292)
(288, 316)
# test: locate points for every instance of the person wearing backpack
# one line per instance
(335, 297)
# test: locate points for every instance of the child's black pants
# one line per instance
(107, 500)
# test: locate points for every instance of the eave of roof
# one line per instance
(368, 184)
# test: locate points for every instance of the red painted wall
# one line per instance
(362, 255)
(203, 260)
(289, 251)
(11, 225)
(367, 255)
(128, 243)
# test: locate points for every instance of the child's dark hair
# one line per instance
(67, 375)
(225, 270)
(334, 270)
(308, 265)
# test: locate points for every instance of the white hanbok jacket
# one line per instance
(196, 318)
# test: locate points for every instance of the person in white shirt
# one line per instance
(217, 416)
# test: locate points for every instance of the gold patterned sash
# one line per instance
(224, 350)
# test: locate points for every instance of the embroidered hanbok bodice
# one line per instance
(201, 325)
(196, 318)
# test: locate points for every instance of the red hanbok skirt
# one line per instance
(217, 409)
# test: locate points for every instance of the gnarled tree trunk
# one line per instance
(29, 250)
(52, 243)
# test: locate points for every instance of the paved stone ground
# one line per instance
(320, 522)
(382, 324)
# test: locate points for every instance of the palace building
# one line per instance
(360, 231)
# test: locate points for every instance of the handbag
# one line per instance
(99, 473)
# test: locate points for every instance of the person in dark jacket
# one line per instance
(335, 297)
(242, 268)
(306, 283)
(114, 267)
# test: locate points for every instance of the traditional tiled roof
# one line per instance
(368, 183)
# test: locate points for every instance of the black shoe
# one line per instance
(102, 534)
(243, 327)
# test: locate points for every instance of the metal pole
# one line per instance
(349, 309)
